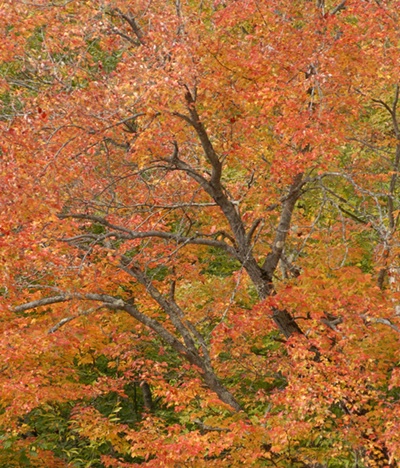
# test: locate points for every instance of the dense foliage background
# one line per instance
(199, 233)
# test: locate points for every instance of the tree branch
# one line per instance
(253, 228)
(107, 300)
(168, 306)
(65, 320)
(383, 321)
(337, 8)
(132, 23)
(205, 427)
(42, 302)
(208, 148)
(120, 232)
(272, 259)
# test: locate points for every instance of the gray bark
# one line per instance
(262, 277)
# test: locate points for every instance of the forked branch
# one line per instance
(188, 352)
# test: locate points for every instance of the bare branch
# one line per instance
(383, 321)
(127, 119)
(65, 320)
(352, 215)
(168, 306)
(125, 36)
(253, 228)
(184, 117)
(114, 304)
(392, 110)
(62, 322)
(132, 23)
(127, 234)
(332, 321)
(272, 259)
(214, 188)
(107, 300)
(186, 330)
(337, 8)
(208, 148)
(205, 427)
(42, 302)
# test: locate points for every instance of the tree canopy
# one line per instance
(199, 233)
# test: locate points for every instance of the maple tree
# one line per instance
(199, 233)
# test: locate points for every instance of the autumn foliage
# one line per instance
(199, 233)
